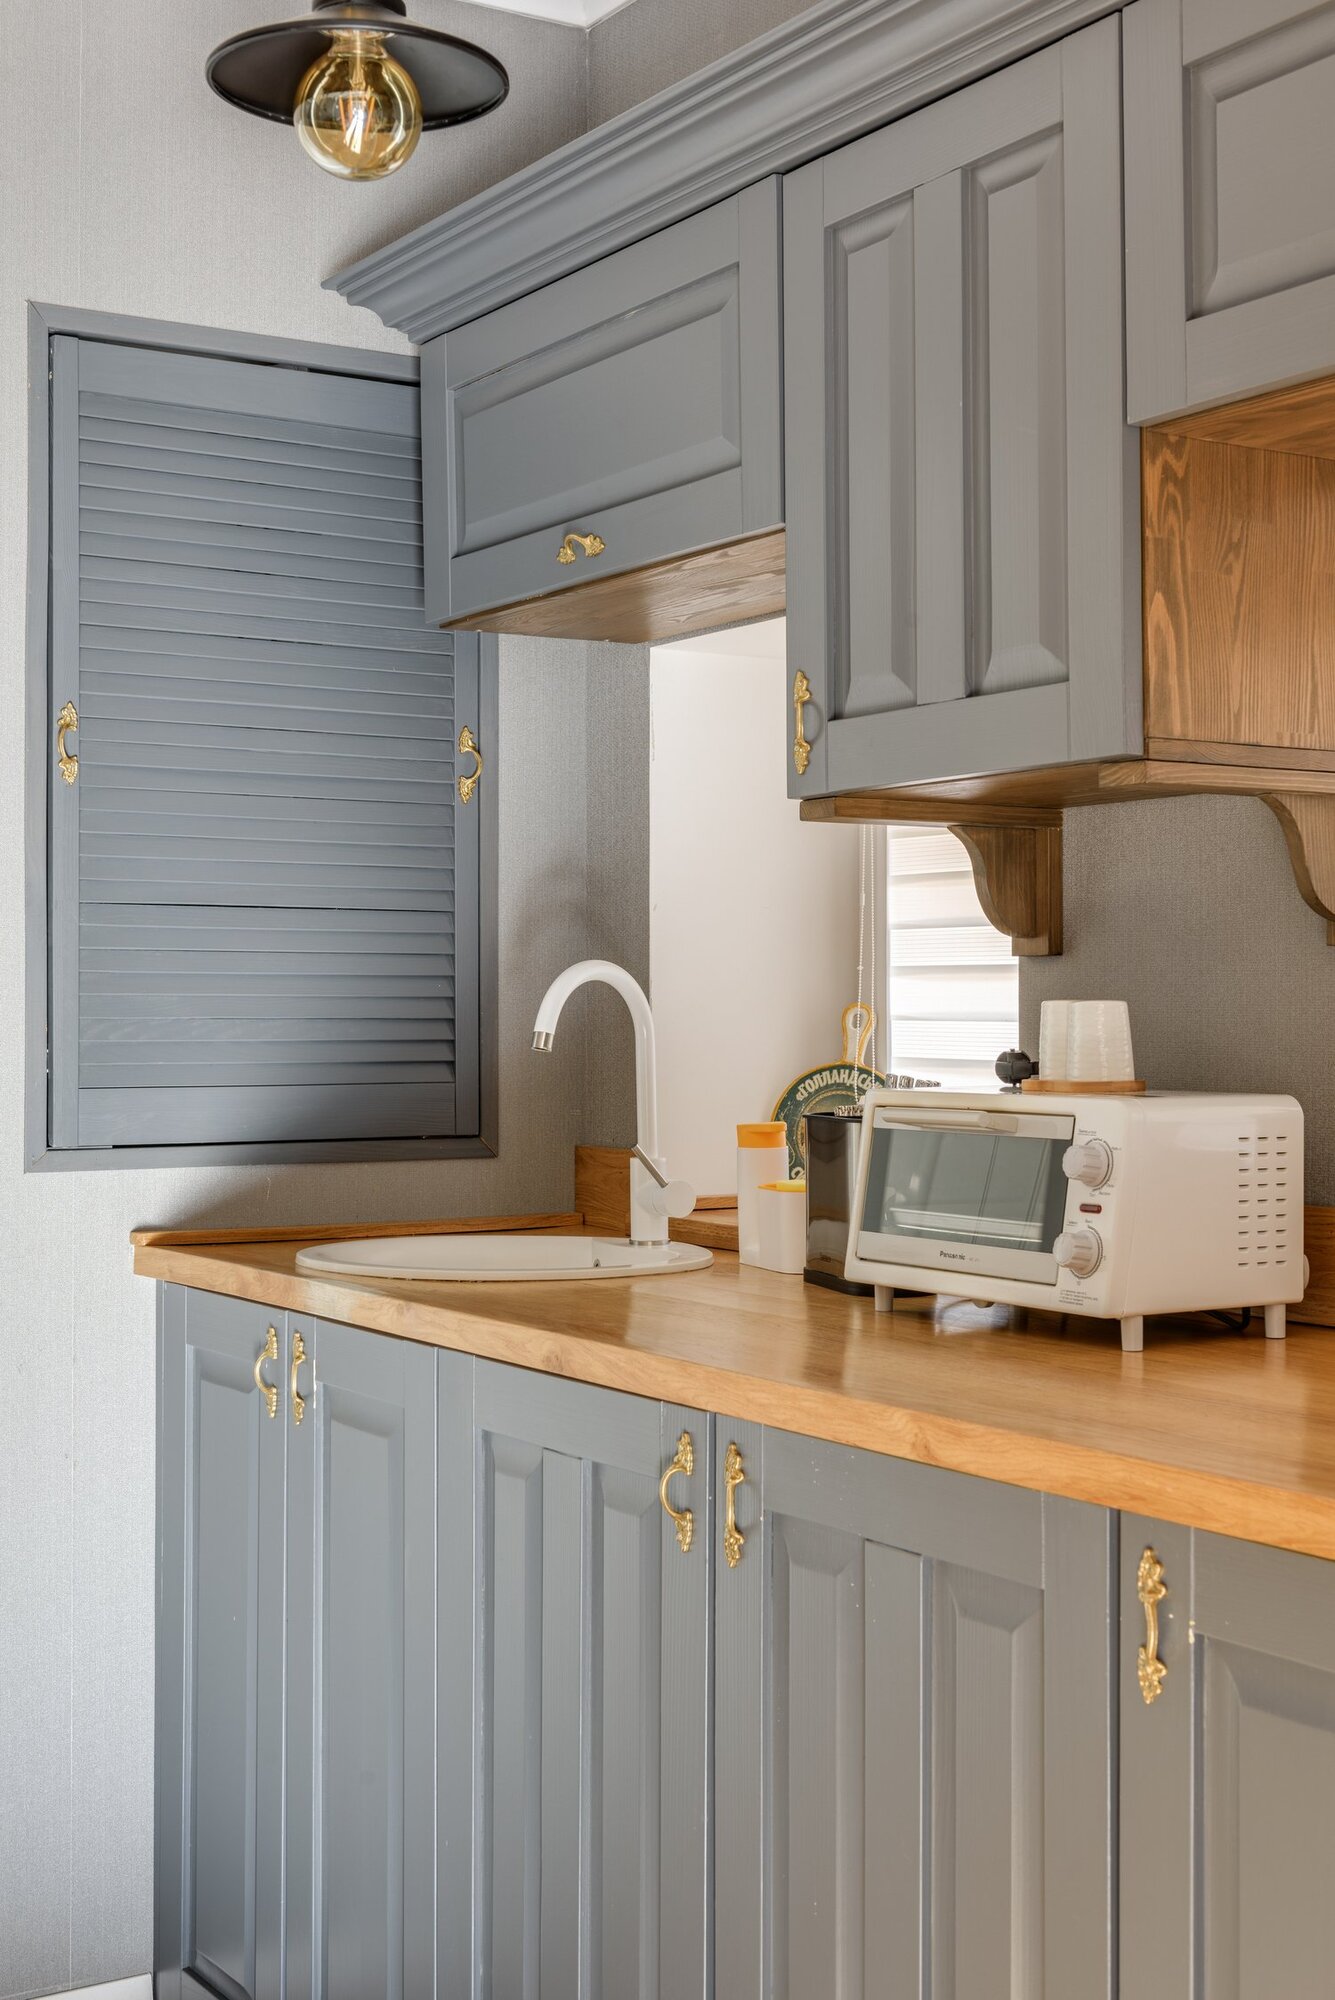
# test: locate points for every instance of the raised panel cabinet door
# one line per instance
(593, 1694)
(1228, 1772)
(913, 1734)
(360, 1412)
(1230, 233)
(962, 527)
(636, 402)
(219, 1862)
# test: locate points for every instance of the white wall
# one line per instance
(753, 917)
(133, 190)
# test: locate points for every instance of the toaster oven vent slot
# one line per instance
(1264, 1209)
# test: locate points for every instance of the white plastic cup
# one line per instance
(781, 1209)
(1053, 1021)
(1098, 1042)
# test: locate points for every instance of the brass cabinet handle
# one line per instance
(269, 1352)
(682, 1519)
(801, 748)
(592, 545)
(1151, 1590)
(67, 719)
(298, 1356)
(734, 1475)
(469, 783)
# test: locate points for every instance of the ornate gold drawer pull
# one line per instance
(298, 1356)
(469, 783)
(682, 1519)
(734, 1475)
(269, 1352)
(1151, 1590)
(67, 719)
(801, 748)
(592, 545)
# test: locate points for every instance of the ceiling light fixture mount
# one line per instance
(359, 81)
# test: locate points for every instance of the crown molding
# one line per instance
(812, 84)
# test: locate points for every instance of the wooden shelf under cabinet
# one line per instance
(1238, 564)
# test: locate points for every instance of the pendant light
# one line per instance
(359, 81)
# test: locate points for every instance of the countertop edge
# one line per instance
(1280, 1517)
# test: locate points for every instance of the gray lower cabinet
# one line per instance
(962, 489)
(296, 1658)
(912, 1730)
(588, 1735)
(1229, 226)
(622, 416)
(1228, 1774)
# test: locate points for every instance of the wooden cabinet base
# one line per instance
(732, 585)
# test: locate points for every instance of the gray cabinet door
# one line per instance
(1230, 156)
(962, 524)
(636, 401)
(219, 1863)
(361, 1665)
(1228, 1776)
(912, 1735)
(592, 1716)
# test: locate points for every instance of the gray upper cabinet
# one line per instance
(591, 1723)
(961, 485)
(1228, 1775)
(635, 404)
(911, 1737)
(1230, 160)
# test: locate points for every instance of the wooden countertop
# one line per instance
(1213, 1429)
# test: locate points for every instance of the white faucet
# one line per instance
(653, 1197)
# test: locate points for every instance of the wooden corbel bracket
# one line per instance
(1308, 820)
(1017, 871)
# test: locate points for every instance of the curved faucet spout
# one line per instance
(602, 971)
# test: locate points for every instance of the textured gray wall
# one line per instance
(648, 45)
(1187, 908)
(135, 191)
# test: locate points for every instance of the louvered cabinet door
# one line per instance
(913, 1734)
(961, 485)
(264, 897)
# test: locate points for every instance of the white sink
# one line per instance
(487, 1257)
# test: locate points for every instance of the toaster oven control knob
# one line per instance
(1090, 1162)
(1079, 1251)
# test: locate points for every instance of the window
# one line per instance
(954, 995)
(263, 926)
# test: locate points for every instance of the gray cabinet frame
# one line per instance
(925, 498)
(1200, 330)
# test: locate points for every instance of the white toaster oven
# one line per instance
(1111, 1206)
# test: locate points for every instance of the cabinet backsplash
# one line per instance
(1185, 908)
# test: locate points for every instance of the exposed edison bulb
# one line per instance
(357, 111)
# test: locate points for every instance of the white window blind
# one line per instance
(954, 996)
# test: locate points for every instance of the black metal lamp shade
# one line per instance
(260, 71)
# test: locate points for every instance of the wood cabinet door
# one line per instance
(913, 1731)
(962, 524)
(360, 1413)
(1230, 155)
(592, 1715)
(637, 401)
(1228, 1775)
(219, 1864)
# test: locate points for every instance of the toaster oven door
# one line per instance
(968, 1192)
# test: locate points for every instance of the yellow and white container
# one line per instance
(762, 1156)
(782, 1209)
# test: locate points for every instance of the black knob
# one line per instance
(1014, 1066)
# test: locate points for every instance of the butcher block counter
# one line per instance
(1212, 1429)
